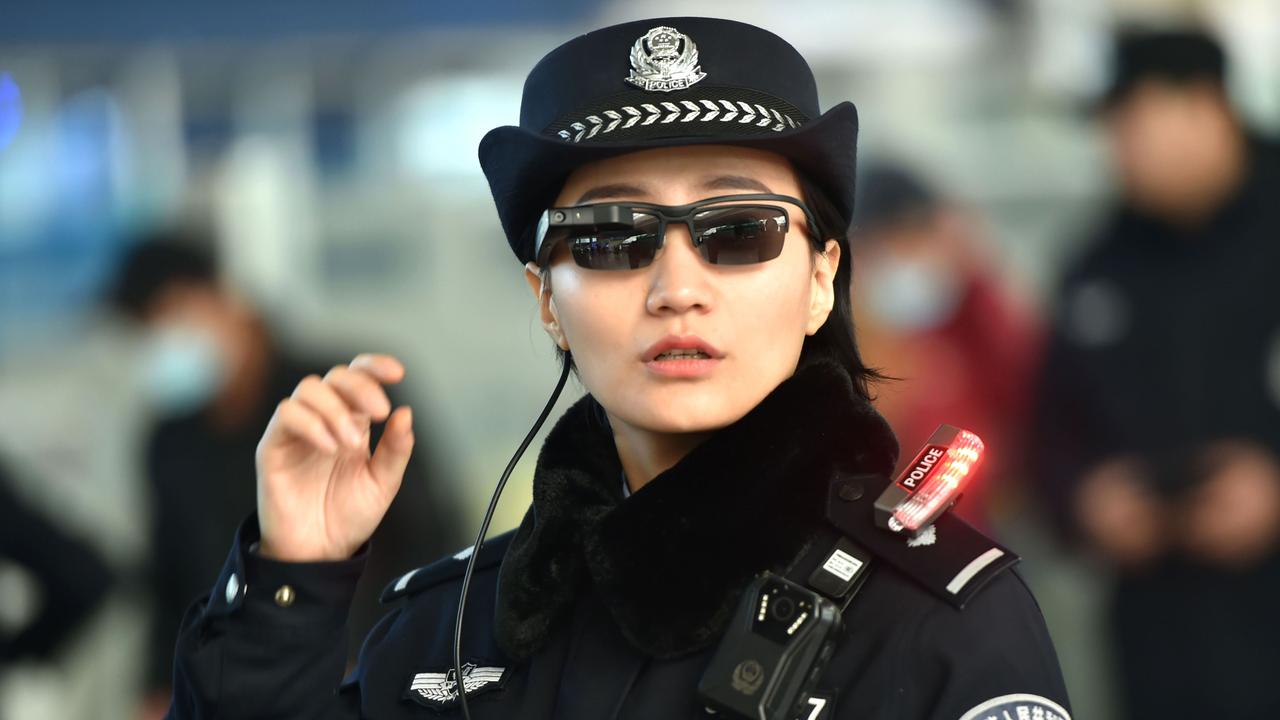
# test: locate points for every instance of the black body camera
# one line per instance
(773, 651)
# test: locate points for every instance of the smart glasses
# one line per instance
(726, 230)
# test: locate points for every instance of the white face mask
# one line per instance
(182, 369)
(910, 295)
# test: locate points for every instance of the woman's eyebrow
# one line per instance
(611, 191)
(719, 182)
(735, 182)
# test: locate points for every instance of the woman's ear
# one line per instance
(546, 304)
(822, 294)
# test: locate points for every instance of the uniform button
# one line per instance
(233, 588)
(851, 490)
(285, 596)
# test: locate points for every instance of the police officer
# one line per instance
(1159, 433)
(726, 431)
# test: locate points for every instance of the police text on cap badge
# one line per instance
(664, 59)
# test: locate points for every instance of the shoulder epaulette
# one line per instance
(448, 568)
(950, 559)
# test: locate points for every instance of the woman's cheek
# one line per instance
(599, 339)
(770, 320)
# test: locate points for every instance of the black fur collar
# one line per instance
(670, 561)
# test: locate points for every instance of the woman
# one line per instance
(683, 229)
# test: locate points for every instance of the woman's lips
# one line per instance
(677, 343)
(677, 356)
(683, 367)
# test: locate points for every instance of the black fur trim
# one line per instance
(671, 560)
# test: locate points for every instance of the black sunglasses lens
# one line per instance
(740, 235)
(622, 249)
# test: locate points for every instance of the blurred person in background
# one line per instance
(934, 312)
(215, 373)
(69, 576)
(1159, 432)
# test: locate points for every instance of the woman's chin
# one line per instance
(686, 415)
(687, 406)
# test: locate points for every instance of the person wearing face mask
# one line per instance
(936, 316)
(1158, 438)
(212, 372)
(679, 204)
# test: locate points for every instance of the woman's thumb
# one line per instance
(391, 457)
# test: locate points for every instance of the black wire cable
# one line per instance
(484, 529)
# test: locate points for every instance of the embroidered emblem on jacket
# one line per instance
(1016, 707)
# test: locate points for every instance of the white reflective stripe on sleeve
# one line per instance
(403, 582)
(963, 577)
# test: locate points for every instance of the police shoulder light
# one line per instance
(932, 482)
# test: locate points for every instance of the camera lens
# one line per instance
(558, 216)
(782, 608)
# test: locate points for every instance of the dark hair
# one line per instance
(891, 196)
(835, 340)
(1179, 56)
(156, 261)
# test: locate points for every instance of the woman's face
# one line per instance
(753, 317)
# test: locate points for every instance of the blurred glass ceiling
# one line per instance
(76, 21)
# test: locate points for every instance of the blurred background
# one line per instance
(1058, 242)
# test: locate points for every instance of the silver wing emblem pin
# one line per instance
(440, 690)
(664, 59)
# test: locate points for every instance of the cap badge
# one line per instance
(664, 59)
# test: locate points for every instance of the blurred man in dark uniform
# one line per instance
(215, 373)
(1159, 431)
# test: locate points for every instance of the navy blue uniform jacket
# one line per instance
(600, 606)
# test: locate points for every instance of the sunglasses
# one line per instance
(726, 230)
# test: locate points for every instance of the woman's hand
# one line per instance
(320, 492)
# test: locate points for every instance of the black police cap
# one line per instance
(1177, 56)
(658, 83)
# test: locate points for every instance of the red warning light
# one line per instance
(930, 484)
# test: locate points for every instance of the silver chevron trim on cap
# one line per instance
(687, 111)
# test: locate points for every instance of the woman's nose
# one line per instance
(679, 279)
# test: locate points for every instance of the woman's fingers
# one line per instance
(324, 417)
(391, 457)
(336, 410)
(300, 421)
(360, 390)
(384, 368)
(324, 400)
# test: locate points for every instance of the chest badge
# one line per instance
(439, 690)
(664, 59)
